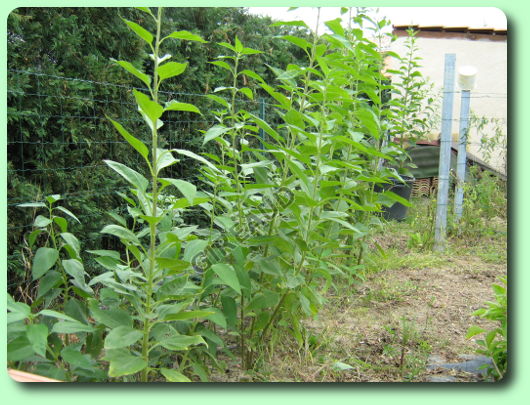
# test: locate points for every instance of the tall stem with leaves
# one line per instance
(142, 282)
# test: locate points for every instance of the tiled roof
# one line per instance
(447, 31)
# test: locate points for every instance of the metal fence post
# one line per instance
(461, 159)
(445, 153)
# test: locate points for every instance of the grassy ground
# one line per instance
(413, 305)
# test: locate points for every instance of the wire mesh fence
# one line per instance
(59, 134)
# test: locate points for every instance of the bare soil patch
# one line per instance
(390, 327)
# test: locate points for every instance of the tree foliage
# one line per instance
(59, 73)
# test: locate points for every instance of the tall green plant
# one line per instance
(412, 99)
(318, 155)
(152, 281)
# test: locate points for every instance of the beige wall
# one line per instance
(489, 97)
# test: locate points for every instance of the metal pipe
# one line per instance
(445, 153)
(461, 159)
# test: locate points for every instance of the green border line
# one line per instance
(513, 390)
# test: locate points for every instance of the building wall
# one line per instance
(488, 99)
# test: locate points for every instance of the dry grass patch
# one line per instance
(386, 328)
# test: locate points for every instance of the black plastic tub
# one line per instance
(397, 211)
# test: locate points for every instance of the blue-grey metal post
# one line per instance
(262, 116)
(461, 159)
(445, 153)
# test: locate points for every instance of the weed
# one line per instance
(395, 259)
(407, 348)
(385, 291)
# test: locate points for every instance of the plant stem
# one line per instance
(273, 316)
(152, 226)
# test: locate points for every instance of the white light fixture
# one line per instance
(466, 77)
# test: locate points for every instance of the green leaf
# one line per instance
(50, 280)
(174, 266)
(53, 198)
(229, 310)
(248, 168)
(267, 128)
(222, 64)
(110, 253)
(71, 327)
(267, 300)
(37, 335)
(251, 74)
(41, 222)
(345, 224)
(45, 258)
(228, 275)
(187, 189)
(129, 67)
(180, 316)
(176, 106)
(196, 157)
(132, 176)
(146, 10)
(299, 42)
(112, 318)
(282, 99)
(34, 234)
(171, 69)
(18, 310)
(394, 197)
(473, 331)
(140, 147)
(121, 232)
(219, 100)
(140, 31)
(67, 212)
(227, 45)
(217, 317)
(32, 205)
(60, 221)
(170, 309)
(185, 35)
(122, 336)
(173, 375)
(247, 92)
(238, 46)
(368, 118)
(72, 241)
(77, 309)
(76, 359)
(164, 159)
(55, 314)
(193, 248)
(75, 269)
(181, 342)
(151, 110)
(214, 132)
(19, 349)
(335, 26)
(249, 51)
(122, 362)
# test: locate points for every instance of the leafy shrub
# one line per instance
(494, 344)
